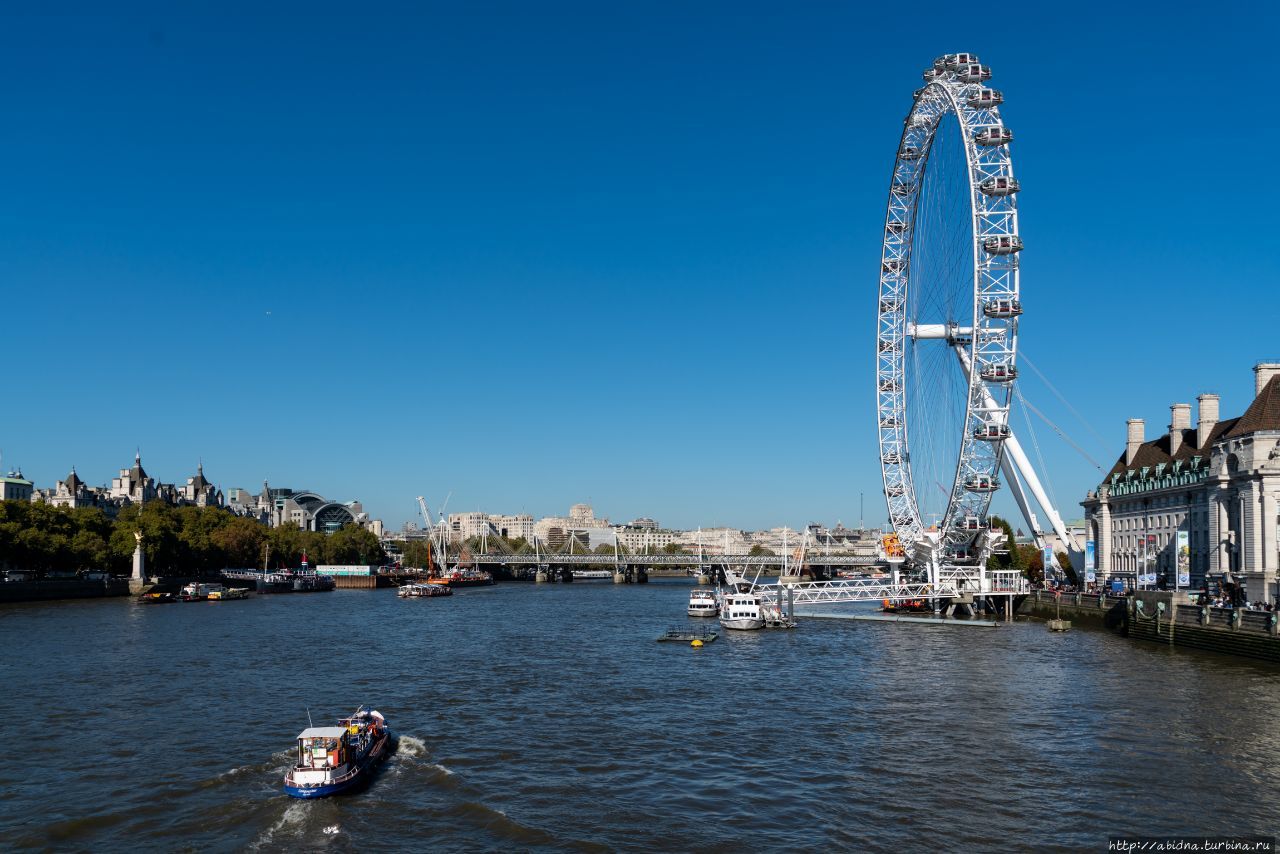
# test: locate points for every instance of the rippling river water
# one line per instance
(547, 718)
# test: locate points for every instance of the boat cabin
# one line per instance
(321, 747)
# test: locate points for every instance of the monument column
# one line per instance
(138, 580)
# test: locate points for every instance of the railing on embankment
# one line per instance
(1160, 617)
(1109, 611)
(1168, 617)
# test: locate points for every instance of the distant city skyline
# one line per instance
(540, 255)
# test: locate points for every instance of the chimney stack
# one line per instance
(1136, 432)
(1179, 420)
(1208, 418)
(1262, 374)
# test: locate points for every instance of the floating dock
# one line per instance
(689, 635)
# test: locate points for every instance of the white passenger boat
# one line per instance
(198, 591)
(741, 611)
(422, 590)
(703, 603)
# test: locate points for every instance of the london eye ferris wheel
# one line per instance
(947, 318)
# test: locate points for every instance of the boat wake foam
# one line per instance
(410, 746)
(294, 815)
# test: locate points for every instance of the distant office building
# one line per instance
(581, 517)
(640, 539)
(1206, 496)
(312, 512)
(513, 527)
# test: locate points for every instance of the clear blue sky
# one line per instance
(540, 253)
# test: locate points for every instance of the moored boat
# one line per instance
(228, 593)
(157, 597)
(463, 577)
(417, 590)
(198, 591)
(741, 611)
(336, 759)
(703, 603)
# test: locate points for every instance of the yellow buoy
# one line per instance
(695, 642)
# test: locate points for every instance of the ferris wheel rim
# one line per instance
(954, 86)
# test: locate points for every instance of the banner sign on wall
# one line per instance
(1184, 559)
(1090, 567)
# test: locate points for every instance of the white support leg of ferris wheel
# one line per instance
(1014, 461)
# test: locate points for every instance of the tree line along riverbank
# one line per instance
(189, 541)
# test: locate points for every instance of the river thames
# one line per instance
(547, 718)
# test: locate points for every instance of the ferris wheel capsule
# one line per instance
(993, 136)
(1003, 245)
(973, 73)
(1002, 372)
(986, 99)
(990, 432)
(1002, 308)
(910, 152)
(1001, 185)
(981, 483)
(952, 61)
(894, 265)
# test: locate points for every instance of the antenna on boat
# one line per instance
(309, 723)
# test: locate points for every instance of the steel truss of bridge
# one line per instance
(785, 593)
(708, 561)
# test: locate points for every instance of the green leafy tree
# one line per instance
(760, 551)
(1009, 557)
(239, 542)
(353, 544)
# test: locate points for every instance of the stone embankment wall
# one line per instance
(1169, 618)
(1104, 610)
(71, 588)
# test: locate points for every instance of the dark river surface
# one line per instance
(547, 718)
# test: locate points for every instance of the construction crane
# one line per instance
(435, 538)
